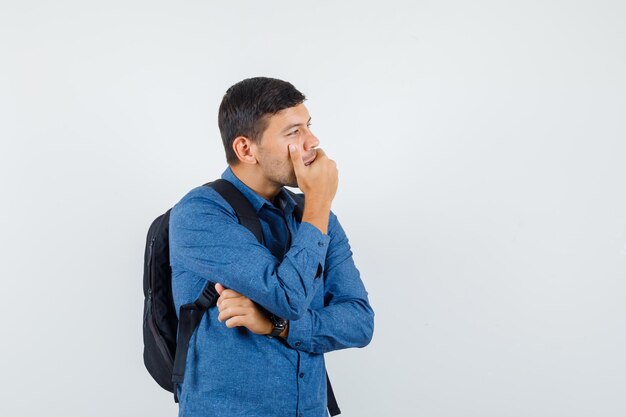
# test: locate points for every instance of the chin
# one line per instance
(290, 183)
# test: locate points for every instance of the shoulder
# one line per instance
(201, 202)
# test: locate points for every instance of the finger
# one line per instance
(235, 321)
(296, 159)
(233, 302)
(222, 303)
(226, 294)
(219, 288)
(230, 294)
(230, 312)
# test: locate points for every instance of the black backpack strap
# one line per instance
(245, 212)
(298, 210)
(331, 401)
(191, 314)
(190, 317)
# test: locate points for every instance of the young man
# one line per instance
(301, 286)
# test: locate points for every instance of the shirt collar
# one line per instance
(286, 203)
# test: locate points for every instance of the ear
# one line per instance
(245, 150)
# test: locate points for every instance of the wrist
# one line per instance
(316, 208)
(318, 219)
(316, 200)
(278, 326)
(285, 332)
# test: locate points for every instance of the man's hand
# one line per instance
(318, 181)
(238, 310)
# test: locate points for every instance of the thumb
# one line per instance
(219, 288)
(298, 163)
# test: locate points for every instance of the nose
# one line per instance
(310, 141)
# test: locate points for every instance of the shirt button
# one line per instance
(320, 243)
(298, 344)
(301, 375)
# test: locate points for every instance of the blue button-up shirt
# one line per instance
(300, 274)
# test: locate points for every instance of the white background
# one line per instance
(481, 150)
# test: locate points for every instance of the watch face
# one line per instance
(277, 321)
(279, 325)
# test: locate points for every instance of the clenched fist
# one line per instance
(319, 179)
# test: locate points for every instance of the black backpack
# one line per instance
(163, 355)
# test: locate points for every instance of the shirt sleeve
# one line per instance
(347, 319)
(207, 240)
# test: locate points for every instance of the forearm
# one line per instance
(346, 318)
(338, 326)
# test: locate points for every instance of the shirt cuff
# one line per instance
(299, 336)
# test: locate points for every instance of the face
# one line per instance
(291, 125)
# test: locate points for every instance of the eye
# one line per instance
(293, 132)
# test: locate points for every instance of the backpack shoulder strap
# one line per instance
(244, 210)
(299, 209)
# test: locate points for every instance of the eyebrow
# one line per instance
(294, 125)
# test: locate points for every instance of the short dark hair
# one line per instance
(246, 107)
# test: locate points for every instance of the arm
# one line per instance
(347, 319)
(207, 240)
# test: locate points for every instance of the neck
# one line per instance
(251, 176)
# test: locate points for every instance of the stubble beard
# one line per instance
(281, 172)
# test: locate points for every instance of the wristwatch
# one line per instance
(279, 325)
